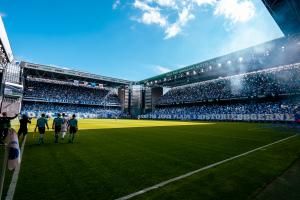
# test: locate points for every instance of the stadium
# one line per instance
(223, 128)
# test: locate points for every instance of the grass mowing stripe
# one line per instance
(14, 180)
(162, 184)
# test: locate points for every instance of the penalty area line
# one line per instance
(14, 180)
(164, 183)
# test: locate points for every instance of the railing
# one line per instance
(46, 100)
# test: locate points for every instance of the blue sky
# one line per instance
(133, 39)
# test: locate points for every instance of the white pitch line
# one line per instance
(164, 183)
(14, 180)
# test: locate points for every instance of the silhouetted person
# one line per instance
(23, 130)
(73, 128)
(57, 123)
(5, 125)
(41, 124)
(64, 127)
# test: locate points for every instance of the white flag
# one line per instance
(13, 150)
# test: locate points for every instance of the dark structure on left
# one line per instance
(10, 73)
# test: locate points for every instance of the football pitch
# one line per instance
(111, 159)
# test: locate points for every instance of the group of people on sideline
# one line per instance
(61, 125)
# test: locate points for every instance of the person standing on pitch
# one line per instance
(57, 124)
(64, 127)
(5, 125)
(41, 124)
(23, 130)
(73, 128)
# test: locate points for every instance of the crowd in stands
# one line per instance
(80, 110)
(233, 108)
(270, 82)
(61, 93)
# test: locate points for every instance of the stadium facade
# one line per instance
(62, 88)
(255, 84)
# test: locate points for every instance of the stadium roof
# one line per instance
(4, 42)
(286, 13)
(73, 73)
(232, 63)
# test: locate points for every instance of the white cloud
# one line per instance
(174, 15)
(166, 3)
(140, 4)
(204, 2)
(116, 4)
(161, 70)
(185, 16)
(174, 29)
(235, 10)
(153, 17)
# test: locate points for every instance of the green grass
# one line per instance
(113, 158)
(285, 187)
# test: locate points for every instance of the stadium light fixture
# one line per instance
(267, 53)
(241, 59)
(210, 67)
(194, 72)
(219, 65)
(229, 62)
